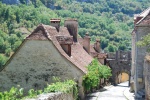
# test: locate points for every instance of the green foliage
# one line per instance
(2, 60)
(8, 52)
(68, 86)
(109, 20)
(96, 71)
(145, 42)
(111, 48)
(13, 94)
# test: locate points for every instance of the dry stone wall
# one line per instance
(54, 96)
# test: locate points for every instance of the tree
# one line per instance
(104, 42)
(2, 60)
(16, 45)
(122, 46)
(111, 48)
(1, 44)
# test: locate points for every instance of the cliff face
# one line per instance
(10, 2)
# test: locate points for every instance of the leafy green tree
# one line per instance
(12, 39)
(111, 48)
(104, 42)
(122, 46)
(8, 52)
(2, 60)
(96, 71)
(1, 44)
(16, 45)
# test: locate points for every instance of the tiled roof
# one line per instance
(92, 48)
(94, 53)
(144, 14)
(79, 57)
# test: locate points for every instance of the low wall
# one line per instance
(147, 78)
(54, 96)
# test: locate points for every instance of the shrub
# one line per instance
(96, 71)
(67, 86)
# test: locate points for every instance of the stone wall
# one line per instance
(119, 62)
(140, 53)
(120, 55)
(147, 79)
(54, 96)
(34, 65)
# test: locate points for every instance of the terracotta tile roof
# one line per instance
(102, 55)
(80, 40)
(79, 57)
(96, 54)
(93, 52)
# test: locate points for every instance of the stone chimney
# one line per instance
(97, 46)
(86, 43)
(55, 23)
(72, 26)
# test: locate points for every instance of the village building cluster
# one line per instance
(54, 50)
(51, 50)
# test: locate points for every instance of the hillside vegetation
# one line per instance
(109, 20)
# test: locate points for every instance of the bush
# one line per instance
(96, 71)
(67, 86)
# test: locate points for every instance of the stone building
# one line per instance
(147, 76)
(120, 64)
(141, 28)
(93, 49)
(50, 50)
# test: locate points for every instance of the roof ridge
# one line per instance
(145, 11)
(144, 16)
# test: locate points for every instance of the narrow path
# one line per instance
(110, 93)
(114, 93)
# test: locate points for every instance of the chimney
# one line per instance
(72, 26)
(86, 43)
(55, 23)
(97, 46)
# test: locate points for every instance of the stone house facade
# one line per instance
(147, 76)
(141, 28)
(50, 50)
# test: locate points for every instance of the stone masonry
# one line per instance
(147, 77)
(119, 62)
